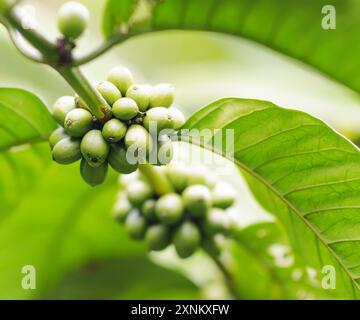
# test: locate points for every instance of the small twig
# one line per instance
(156, 179)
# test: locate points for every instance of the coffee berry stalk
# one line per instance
(137, 132)
(187, 218)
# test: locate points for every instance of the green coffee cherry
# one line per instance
(94, 148)
(197, 200)
(223, 196)
(119, 161)
(157, 237)
(163, 152)
(125, 109)
(93, 175)
(109, 91)
(200, 175)
(61, 107)
(135, 225)
(162, 95)
(121, 77)
(72, 19)
(122, 208)
(157, 119)
(186, 239)
(80, 103)
(57, 135)
(148, 210)
(169, 208)
(216, 221)
(138, 141)
(78, 122)
(177, 118)
(138, 192)
(141, 95)
(178, 174)
(114, 130)
(67, 151)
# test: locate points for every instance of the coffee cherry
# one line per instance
(80, 103)
(162, 154)
(157, 237)
(114, 130)
(121, 77)
(135, 225)
(178, 174)
(223, 196)
(138, 141)
(122, 208)
(119, 161)
(148, 210)
(67, 151)
(162, 95)
(78, 122)
(138, 192)
(93, 175)
(186, 239)
(125, 109)
(197, 200)
(61, 107)
(141, 95)
(57, 135)
(157, 119)
(200, 175)
(72, 19)
(216, 221)
(177, 118)
(94, 148)
(169, 208)
(109, 91)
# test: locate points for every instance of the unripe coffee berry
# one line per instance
(67, 151)
(197, 200)
(162, 95)
(169, 208)
(157, 119)
(72, 19)
(148, 210)
(109, 91)
(177, 118)
(122, 208)
(114, 130)
(125, 109)
(138, 140)
(93, 175)
(94, 148)
(162, 153)
(138, 192)
(135, 225)
(118, 160)
(157, 237)
(141, 95)
(223, 196)
(216, 221)
(186, 239)
(57, 135)
(78, 122)
(178, 174)
(62, 107)
(121, 77)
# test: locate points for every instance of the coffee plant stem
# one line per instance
(156, 179)
(95, 103)
(229, 281)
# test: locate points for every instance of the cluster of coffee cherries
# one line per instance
(138, 131)
(194, 212)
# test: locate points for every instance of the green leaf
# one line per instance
(23, 118)
(293, 28)
(307, 172)
(126, 278)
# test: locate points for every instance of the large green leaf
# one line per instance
(290, 27)
(23, 118)
(308, 172)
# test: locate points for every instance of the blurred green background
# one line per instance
(50, 219)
